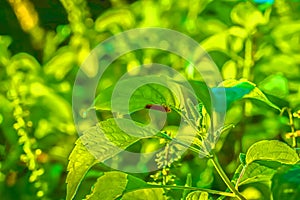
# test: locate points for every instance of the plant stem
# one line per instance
(292, 125)
(178, 187)
(291, 119)
(240, 177)
(225, 178)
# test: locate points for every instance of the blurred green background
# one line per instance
(43, 43)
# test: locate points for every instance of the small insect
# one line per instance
(158, 107)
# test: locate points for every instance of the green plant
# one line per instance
(254, 43)
(243, 48)
(259, 164)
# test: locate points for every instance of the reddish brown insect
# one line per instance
(158, 107)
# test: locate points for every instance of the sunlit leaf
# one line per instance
(80, 162)
(271, 150)
(256, 173)
(141, 194)
(197, 195)
(128, 98)
(263, 160)
(276, 85)
(229, 70)
(238, 89)
(256, 93)
(100, 143)
(217, 42)
(235, 90)
(119, 184)
(109, 186)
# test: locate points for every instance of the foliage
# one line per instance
(255, 45)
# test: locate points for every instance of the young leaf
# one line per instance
(141, 194)
(271, 150)
(197, 195)
(81, 160)
(218, 41)
(109, 186)
(100, 143)
(256, 173)
(103, 100)
(238, 89)
(125, 186)
(234, 90)
(276, 85)
(259, 95)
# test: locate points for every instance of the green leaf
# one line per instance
(197, 195)
(264, 158)
(109, 186)
(202, 93)
(256, 173)
(80, 161)
(271, 150)
(256, 93)
(286, 183)
(116, 184)
(238, 89)
(234, 89)
(139, 189)
(139, 97)
(141, 194)
(171, 96)
(100, 143)
(217, 42)
(103, 100)
(135, 183)
(276, 85)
